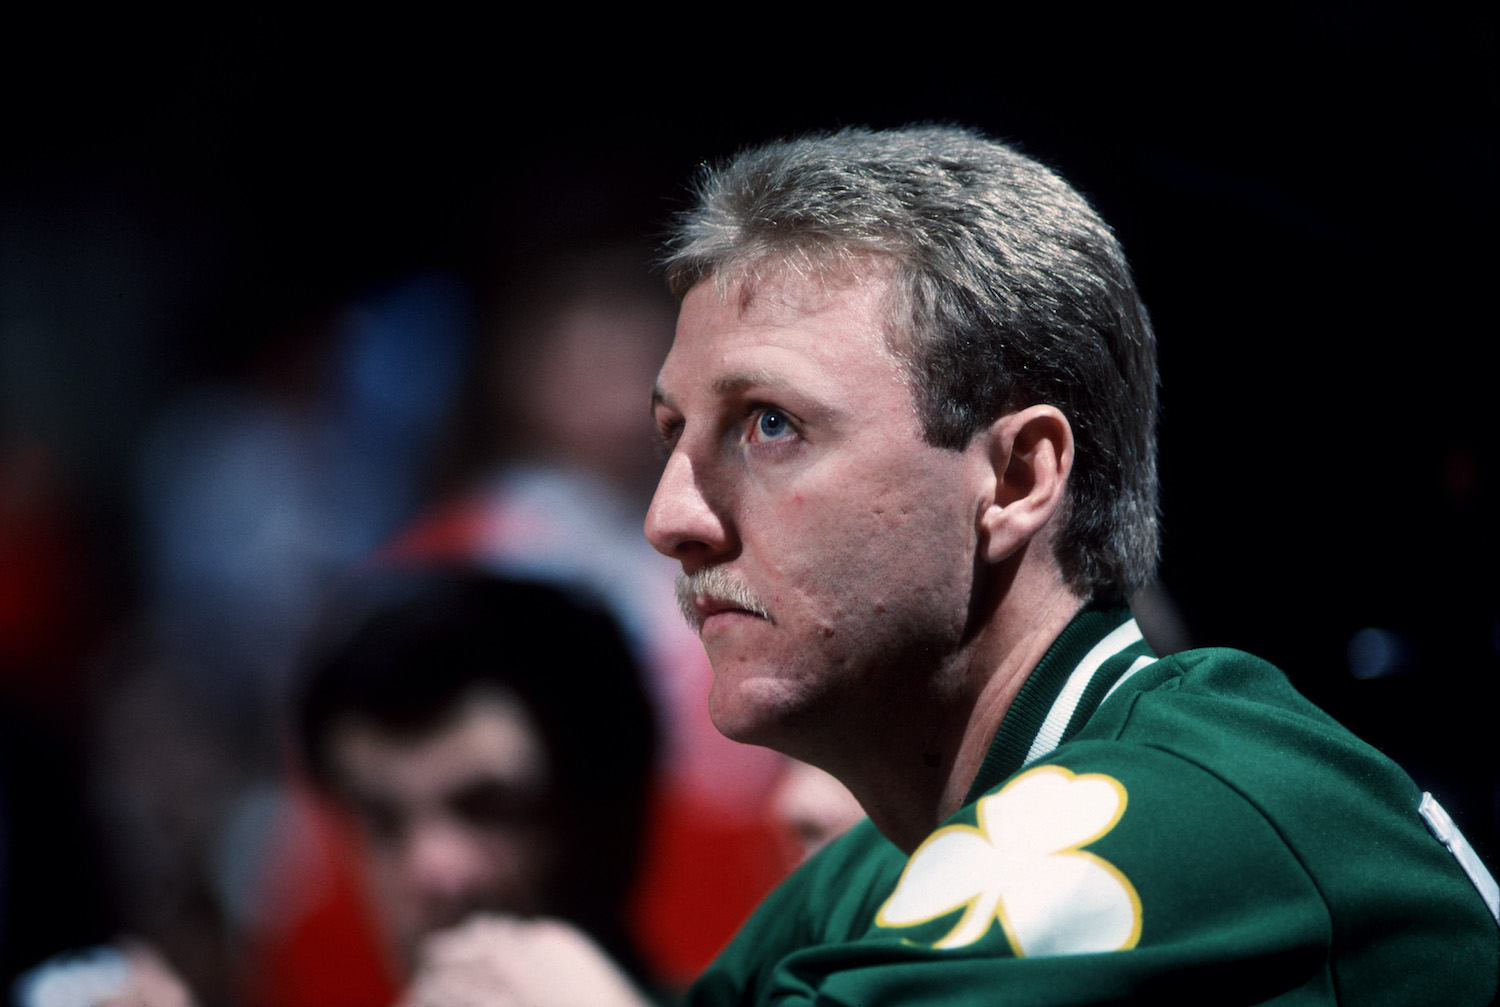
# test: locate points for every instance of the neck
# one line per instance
(922, 758)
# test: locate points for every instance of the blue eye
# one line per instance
(771, 425)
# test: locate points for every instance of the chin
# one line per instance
(761, 711)
(733, 723)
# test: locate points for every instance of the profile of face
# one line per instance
(825, 545)
(454, 820)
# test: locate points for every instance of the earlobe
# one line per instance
(1031, 455)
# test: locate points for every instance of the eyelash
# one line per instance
(667, 432)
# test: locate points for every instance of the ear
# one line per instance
(1031, 453)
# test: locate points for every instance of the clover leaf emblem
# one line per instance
(1022, 865)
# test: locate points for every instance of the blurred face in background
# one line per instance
(456, 820)
(811, 809)
(571, 392)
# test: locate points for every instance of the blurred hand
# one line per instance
(501, 961)
(150, 982)
(128, 975)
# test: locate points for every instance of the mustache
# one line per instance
(715, 584)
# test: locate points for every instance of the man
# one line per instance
(910, 415)
(492, 742)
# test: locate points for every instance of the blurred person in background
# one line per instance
(63, 937)
(52, 892)
(491, 743)
(295, 454)
(812, 809)
(552, 467)
(551, 464)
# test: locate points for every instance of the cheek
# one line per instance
(521, 866)
(906, 551)
(849, 544)
(398, 913)
(383, 867)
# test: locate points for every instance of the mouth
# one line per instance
(707, 607)
(713, 593)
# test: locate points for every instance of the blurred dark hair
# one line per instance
(402, 648)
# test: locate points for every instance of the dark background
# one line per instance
(1308, 196)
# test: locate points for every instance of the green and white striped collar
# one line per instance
(1093, 654)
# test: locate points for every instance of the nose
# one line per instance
(683, 522)
(444, 869)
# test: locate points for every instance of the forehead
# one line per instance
(828, 327)
(490, 735)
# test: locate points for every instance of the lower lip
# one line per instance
(728, 617)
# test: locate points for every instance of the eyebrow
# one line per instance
(740, 380)
(728, 384)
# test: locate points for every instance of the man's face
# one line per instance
(843, 543)
(454, 820)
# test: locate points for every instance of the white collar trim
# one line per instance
(1050, 734)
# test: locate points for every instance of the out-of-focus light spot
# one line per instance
(1376, 653)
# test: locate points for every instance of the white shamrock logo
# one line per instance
(1023, 866)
